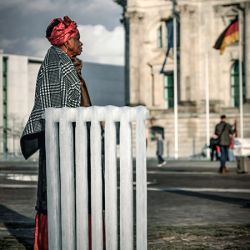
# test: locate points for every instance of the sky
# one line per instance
(23, 25)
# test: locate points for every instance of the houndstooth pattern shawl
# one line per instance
(57, 86)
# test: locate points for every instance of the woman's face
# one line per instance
(75, 45)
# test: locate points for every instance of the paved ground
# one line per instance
(190, 206)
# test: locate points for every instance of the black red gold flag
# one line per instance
(229, 36)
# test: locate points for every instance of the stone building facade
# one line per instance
(200, 22)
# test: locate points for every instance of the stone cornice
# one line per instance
(187, 9)
(134, 15)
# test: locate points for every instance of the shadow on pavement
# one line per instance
(245, 203)
(20, 228)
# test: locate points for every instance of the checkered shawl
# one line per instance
(57, 86)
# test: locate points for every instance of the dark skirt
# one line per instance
(41, 202)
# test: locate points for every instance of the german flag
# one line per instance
(229, 36)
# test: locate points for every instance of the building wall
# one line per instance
(201, 22)
(192, 132)
(200, 27)
(21, 79)
(17, 97)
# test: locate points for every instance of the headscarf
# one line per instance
(63, 31)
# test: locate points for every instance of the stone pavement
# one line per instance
(212, 237)
(190, 206)
(198, 208)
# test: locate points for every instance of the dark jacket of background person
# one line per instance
(224, 132)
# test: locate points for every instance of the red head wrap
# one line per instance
(63, 31)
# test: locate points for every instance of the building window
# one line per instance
(169, 90)
(5, 104)
(235, 85)
(165, 34)
(169, 34)
(159, 37)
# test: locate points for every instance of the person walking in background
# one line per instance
(159, 150)
(231, 156)
(223, 130)
(214, 152)
(58, 85)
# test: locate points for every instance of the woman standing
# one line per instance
(58, 85)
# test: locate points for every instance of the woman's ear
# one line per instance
(66, 45)
(68, 48)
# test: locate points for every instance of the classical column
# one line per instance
(134, 60)
(188, 15)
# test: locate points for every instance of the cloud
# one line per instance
(8, 43)
(40, 6)
(5, 4)
(100, 45)
(25, 20)
(37, 47)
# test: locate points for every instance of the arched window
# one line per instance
(159, 37)
(165, 34)
(235, 85)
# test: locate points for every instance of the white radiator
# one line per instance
(67, 180)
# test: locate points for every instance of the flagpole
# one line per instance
(176, 148)
(207, 104)
(240, 74)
